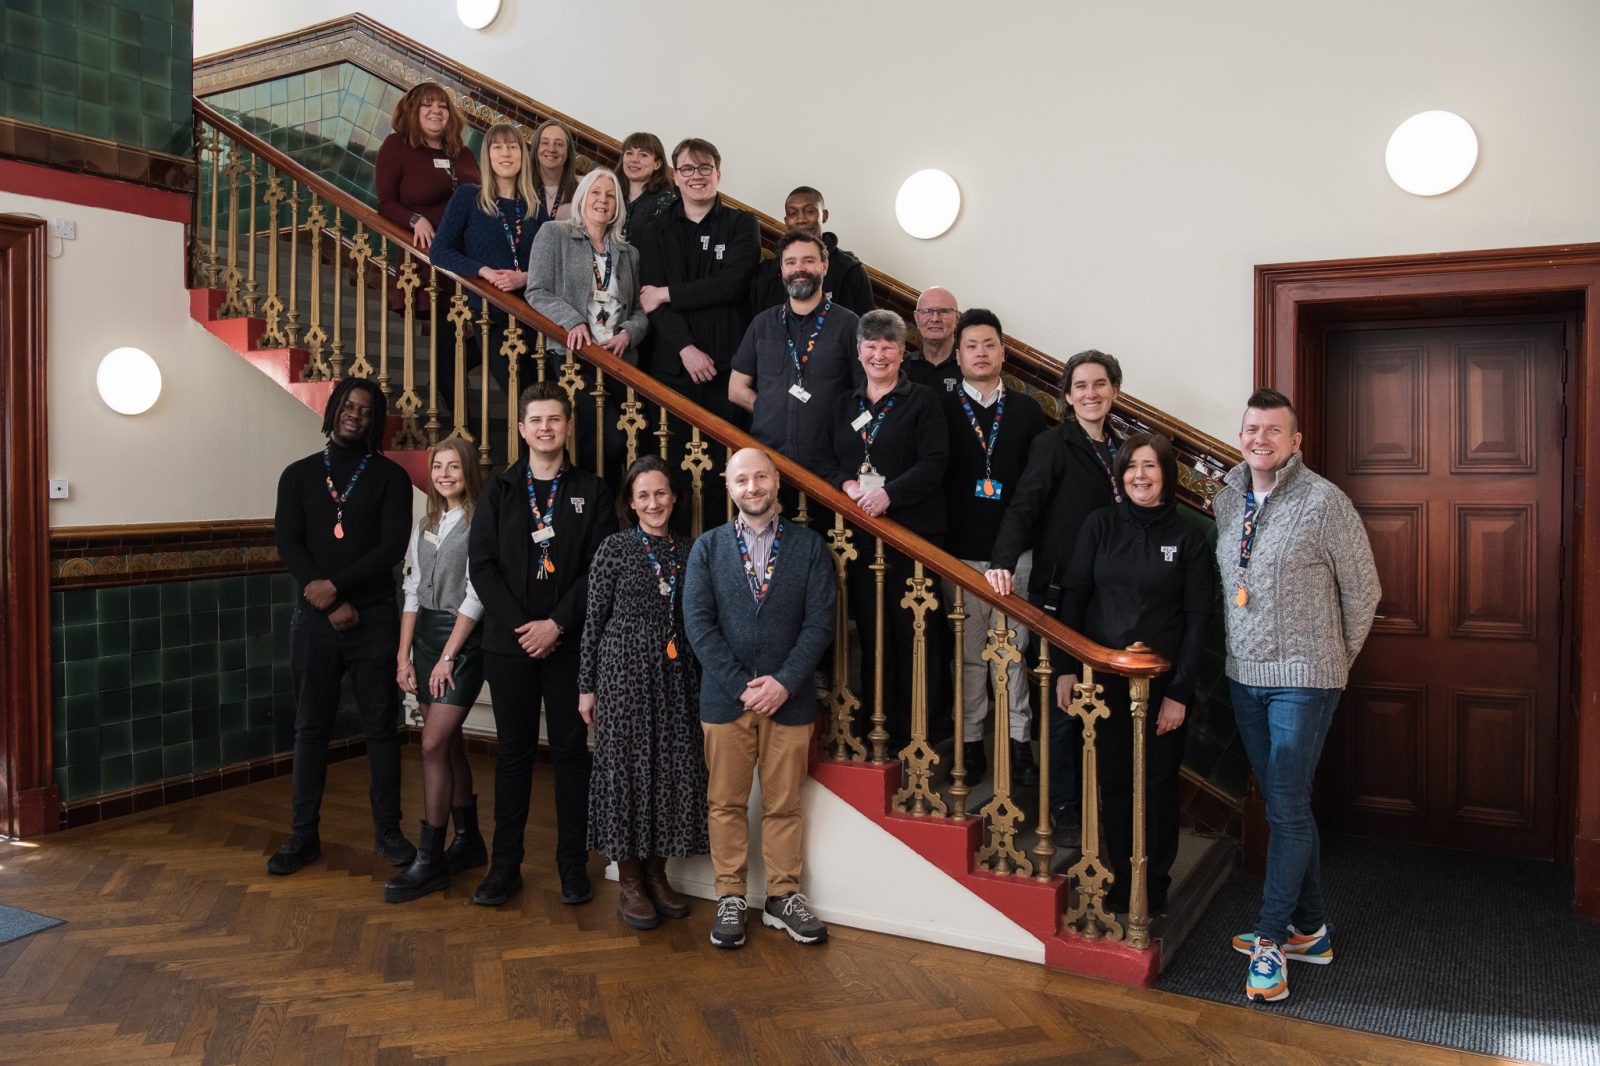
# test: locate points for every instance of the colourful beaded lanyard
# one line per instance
(666, 584)
(870, 433)
(795, 355)
(545, 519)
(1247, 543)
(1109, 468)
(759, 584)
(550, 209)
(339, 498)
(513, 228)
(601, 284)
(994, 435)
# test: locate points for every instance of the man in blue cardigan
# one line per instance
(758, 600)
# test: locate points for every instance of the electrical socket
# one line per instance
(64, 228)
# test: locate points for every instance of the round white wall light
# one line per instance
(927, 204)
(129, 381)
(476, 14)
(1431, 153)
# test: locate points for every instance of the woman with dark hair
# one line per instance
(638, 687)
(1140, 572)
(439, 640)
(557, 176)
(650, 190)
(422, 161)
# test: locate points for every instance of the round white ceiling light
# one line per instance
(129, 381)
(1431, 153)
(927, 204)
(476, 14)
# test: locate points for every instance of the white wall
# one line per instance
(213, 445)
(1123, 166)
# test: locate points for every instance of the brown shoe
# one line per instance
(667, 900)
(633, 903)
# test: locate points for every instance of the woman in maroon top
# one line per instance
(422, 161)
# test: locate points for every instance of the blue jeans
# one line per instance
(1282, 730)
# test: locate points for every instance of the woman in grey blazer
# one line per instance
(584, 277)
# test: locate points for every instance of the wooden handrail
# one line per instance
(1126, 662)
(1024, 362)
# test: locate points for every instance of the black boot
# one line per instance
(467, 849)
(1024, 771)
(428, 872)
(301, 848)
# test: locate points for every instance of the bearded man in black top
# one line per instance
(343, 518)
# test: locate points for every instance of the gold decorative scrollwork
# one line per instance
(918, 756)
(1090, 874)
(360, 252)
(696, 460)
(631, 423)
(839, 731)
(1001, 815)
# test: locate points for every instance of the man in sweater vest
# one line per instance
(1299, 591)
(758, 601)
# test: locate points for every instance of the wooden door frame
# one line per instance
(29, 801)
(1507, 281)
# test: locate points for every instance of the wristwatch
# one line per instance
(447, 658)
(412, 221)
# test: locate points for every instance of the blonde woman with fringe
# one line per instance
(439, 643)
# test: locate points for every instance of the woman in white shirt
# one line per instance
(439, 642)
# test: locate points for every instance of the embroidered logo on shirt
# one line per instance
(577, 503)
(1169, 552)
(949, 384)
(705, 243)
(719, 249)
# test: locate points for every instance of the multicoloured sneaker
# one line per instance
(1302, 947)
(1268, 977)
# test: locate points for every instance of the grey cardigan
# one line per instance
(737, 642)
(1311, 586)
(561, 277)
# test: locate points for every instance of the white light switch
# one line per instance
(58, 488)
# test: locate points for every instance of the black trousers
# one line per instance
(899, 632)
(320, 657)
(519, 685)
(1114, 762)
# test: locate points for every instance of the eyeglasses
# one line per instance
(689, 170)
(935, 312)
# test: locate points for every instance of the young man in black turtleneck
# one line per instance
(343, 518)
(534, 534)
(844, 281)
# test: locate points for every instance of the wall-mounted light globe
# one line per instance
(129, 381)
(1431, 153)
(927, 204)
(476, 14)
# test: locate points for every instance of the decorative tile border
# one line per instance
(94, 155)
(105, 556)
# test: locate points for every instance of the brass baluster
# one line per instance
(250, 255)
(361, 251)
(839, 733)
(878, 737)
(801, 513)
(432, 424)
(1139, 882)
(540, 371)
(696, 460)
(481, 438)
(316, 336)
(727, 497)
(213, 261)
(460, 317)
(1044, 851)
(600, 423)
(382, 265)
(512, 348)
(959, 789)
(231, 277)
(572, 381)
(292, 333)
(197, 244)
(631, 422)
(920, 758)
(1000, 814)
(1089, 873)
(337, 347)
(663, 434)
(272, 336)
(410, 403)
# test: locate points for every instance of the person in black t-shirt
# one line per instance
(342, 522)
(934, 364)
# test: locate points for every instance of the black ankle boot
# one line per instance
(428, 872)
(467, 850)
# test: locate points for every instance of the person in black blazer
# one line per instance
(533, 537)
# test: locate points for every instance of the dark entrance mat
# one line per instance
(16, 924)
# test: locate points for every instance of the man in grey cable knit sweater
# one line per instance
(1300, 589)
(758, 601)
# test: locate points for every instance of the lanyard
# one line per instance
(544, 520)
(1109, 468)
(666, 584)
(339, 498)
(759, 584)
(550, 208)
(602, 283)
(1247, 537)
(870, 433)
(513, 228)
(795, 356)
(994, 430)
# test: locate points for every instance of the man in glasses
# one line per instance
(696, 261)
(934, 364)
(846, 283)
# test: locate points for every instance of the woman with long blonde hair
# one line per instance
(439, 641)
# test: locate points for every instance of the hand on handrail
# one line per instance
(505, 280)
(422, 234)
(578, 337)
(1000, 581)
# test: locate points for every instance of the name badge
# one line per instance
(798, 391)
(441, 164)
(431, 538)
(861, 421)
(542, 535)
(868, 482)
(987, 488)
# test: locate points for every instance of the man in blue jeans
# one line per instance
(1299, 589)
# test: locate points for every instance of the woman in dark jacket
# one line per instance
(1139, 572)
(649, 188)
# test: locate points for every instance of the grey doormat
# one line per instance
(1468, 951)
(16, 924)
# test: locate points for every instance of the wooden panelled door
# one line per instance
(1449, 440)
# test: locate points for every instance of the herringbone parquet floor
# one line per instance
(179, 947)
